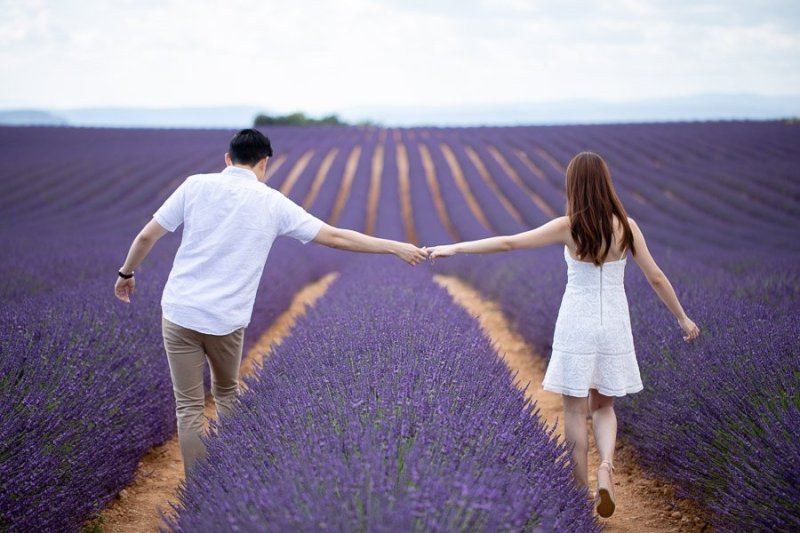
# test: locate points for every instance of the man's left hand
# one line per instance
(123, 289)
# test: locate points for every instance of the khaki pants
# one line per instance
(187, 351)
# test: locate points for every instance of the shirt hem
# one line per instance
(202, 329)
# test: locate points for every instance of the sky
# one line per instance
(323, 56)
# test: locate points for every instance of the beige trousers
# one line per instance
(187, 351)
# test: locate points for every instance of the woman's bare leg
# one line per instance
(576, 434)
(604, 427)
(604, 424)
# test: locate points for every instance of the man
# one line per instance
(230, 222)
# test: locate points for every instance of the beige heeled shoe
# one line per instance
(605, 490)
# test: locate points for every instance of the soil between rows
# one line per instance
(644, 504)
(160, 472)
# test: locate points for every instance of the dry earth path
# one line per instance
(374, 194)
(347, 183)
(160, 471)
(322, 173)
(463, 186)
(436, 193)
(487, 178)
(296, 172)
(515, 177)
(644, 504)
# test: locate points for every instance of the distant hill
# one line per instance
(700, 107)
(31, 117)
(141, 117)
(690, 108)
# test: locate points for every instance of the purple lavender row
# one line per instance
(386, 410)
(500, 219)
(84, 384)
(549, 188)
(428, 224)
(531, 214)
(643, 195)
(745, 340)
(715, 416)
(458, 211)
(710, 177)
(389, 216)
(320, 146)
(726, 410)
(324, 204)
(354, 212)
(92, 375)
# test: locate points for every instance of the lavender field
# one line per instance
(387, 409)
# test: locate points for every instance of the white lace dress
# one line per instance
(592, 343)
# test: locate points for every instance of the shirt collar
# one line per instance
(239, 171)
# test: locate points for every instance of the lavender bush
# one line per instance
(84, 385)
(386, 410)
(84, 392)
(715, 416)
(74, 361)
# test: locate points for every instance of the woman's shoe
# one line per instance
(605, 490)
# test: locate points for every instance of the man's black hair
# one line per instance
(249, 146)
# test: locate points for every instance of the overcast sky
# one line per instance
(322, 56)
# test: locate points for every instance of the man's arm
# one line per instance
(345, 239)
(140, 247)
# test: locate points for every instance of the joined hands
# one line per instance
(414, 255)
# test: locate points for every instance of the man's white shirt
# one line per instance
(230, 222)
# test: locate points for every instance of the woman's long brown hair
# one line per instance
(592, 204)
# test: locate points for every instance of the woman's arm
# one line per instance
(345, 239)
(554, 232)
(661, 285)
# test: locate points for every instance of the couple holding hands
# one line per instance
(231, 219)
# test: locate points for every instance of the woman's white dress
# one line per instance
(592, 343)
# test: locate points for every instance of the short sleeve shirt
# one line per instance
(230, 221)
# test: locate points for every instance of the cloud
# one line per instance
(323, 55)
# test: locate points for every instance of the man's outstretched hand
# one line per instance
(411, 254)
(123, 289)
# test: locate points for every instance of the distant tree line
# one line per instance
(300, 119)
(297, 119)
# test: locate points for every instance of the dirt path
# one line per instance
(273, 166)
(347, 182)
(404, 187)
(561, 169)
(487, 178)
(160, 471)
(515, 177)
(463, 186)
(644, 504)
(433, 185)
(294, 174)
(322, 173)
(533, 167)
(374, 193)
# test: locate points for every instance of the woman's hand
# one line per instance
(690, 328)
(445, 250)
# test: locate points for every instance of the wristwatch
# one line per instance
(125, 276)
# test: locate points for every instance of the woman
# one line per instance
(593, 359)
